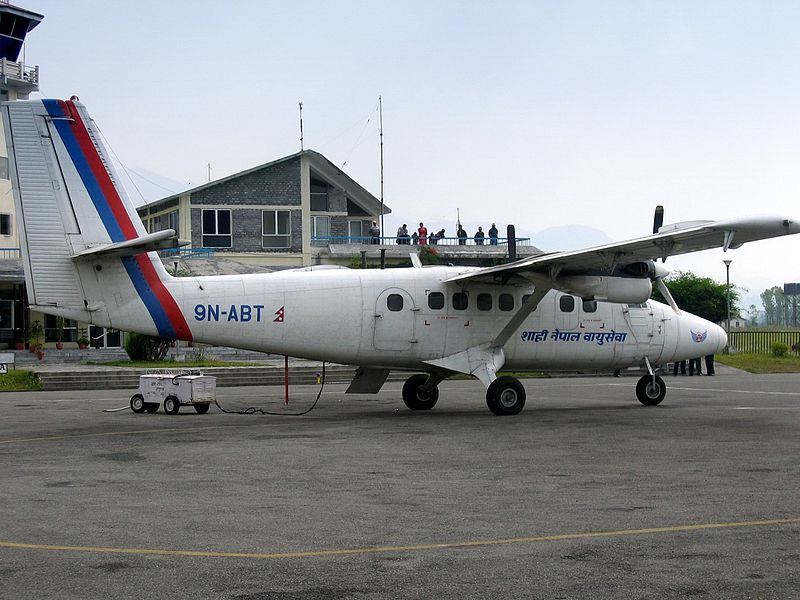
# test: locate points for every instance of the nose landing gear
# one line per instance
(650, 390)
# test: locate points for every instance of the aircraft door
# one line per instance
(647, 336)
(395, 318)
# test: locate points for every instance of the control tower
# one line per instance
(17, 81)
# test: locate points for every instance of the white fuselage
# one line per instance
(389, 318)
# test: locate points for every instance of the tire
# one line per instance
(651, 393)
(416, 399)
(171, 405)
(151, 407)
(505, 396)
(137, 403)
(201, 408)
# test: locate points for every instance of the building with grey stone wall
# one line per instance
(281, 213)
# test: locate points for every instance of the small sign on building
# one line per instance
(6, 358)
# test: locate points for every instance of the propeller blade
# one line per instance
(662, 287)
(658, 218)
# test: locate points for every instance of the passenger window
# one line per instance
(505, 302)
(484, 301)
(589, 306)
(460, 301)
(566, 303)
(394, 302)
(526, 298)
(436, 300)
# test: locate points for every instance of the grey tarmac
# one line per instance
(585, 494)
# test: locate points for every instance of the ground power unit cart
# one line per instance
(174, 389)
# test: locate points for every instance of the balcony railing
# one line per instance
(19, 71)
(394, 241)
(9, 253)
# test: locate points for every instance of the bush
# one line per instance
(146, 347)
(779, 348)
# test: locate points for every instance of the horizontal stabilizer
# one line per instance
(151, 242)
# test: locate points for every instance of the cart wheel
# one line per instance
(137, 403)
(171, 405)
(201, 408)
(151, 407)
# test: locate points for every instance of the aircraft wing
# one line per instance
(679, 238)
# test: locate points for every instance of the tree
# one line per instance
(774, 305)
(701, 296)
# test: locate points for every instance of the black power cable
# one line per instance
(258, 411)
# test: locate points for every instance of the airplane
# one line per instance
(87, 257)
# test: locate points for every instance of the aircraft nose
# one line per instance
(722, 338)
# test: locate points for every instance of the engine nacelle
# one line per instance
(626, 290)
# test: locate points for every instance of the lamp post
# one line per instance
(728, 262)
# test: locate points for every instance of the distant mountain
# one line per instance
(566, 237)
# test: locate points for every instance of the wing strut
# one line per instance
(527, 308)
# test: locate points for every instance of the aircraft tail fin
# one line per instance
(81, 240)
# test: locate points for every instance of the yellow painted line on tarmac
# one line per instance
(408, 548)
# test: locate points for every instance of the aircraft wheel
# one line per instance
(151, 407)
(417, 399)
(505, 396)
(171, 405)
(201, 408)
(137, 403)
(651, 392)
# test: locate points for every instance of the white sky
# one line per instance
(537, 113)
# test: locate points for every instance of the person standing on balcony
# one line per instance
(462, 235)
(402, 234)
(493, 235)
(375, 233)
(479, 235)
(422, 231)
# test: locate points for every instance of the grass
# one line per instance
(19, 380)
(760, 363)
(172, 364)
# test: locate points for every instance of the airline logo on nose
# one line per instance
(699, 337)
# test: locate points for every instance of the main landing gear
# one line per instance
(419, 394)
(505, 396)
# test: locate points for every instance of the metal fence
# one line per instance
(445, 241)
(760, 342)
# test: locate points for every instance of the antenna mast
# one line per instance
(301, 126)
(380, 121)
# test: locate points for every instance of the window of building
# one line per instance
(173, 221)
(357, 231)
(320, 195)
(217, 228)
(6, 314)
(460, 301)
(436, 300)
(276, 228)
(5, 224)
(394, 302)
(320, 227)
(589, 306)
(505, 302)
(3, 167)
(566, 303)
(484, 302)
(70, 333)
